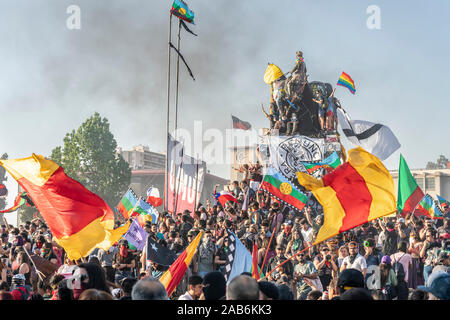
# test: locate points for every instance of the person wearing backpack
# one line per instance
(401, 263)
(389, 245)
(19, 291)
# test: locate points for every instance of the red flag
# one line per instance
(255, 272)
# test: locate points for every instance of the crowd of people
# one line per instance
(389, 258)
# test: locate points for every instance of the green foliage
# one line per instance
(2, 180)
(441, 163)
(88, 156)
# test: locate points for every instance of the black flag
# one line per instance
(182, 58)
(186, 28)
(159, 254)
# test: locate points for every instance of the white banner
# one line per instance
(288, 152)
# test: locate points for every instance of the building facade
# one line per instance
(434, 182)
(141, 158)
(148, 171)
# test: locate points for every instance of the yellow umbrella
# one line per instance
(272, 73)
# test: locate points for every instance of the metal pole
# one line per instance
(177, 177)
(166, 192)
(175, 183)
(196, 185)
(178, 74)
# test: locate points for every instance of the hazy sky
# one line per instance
(53, 78)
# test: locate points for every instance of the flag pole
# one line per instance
(34, 265)
(176, 193)
(196, 184)
(166, 191)
(175, 185)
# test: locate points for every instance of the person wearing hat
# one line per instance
(348, 279)
(19, 291)
(123, 261)
(438, 286)
(278, 259)
(442, 262)
(388, 279)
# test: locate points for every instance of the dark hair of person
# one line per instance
(36, 296)
(94, 294)
(356, 294)
(315, 294)
(64, 292)
(402, 246)
(6, 295)
(97, 279)
(385, 269)
(127, 284)
(55, 280)
(228, 224)
(4, 286)
(417, 295)
(195, 280)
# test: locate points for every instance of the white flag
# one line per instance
(376, 138)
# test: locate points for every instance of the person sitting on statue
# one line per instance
(298, 73)
(273, 115)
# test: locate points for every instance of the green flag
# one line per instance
(409, 193)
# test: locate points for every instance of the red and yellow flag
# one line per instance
(172, 277)
(255, 269)
(78, 219)
(356, 192)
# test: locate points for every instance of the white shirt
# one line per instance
(307, 235)
(359, 263)
(186, 296)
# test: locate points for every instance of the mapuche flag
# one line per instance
(282, 189)
(409, 193)
(239, 124)
(172, 277)
(182, 11)
(330, 163)
(144, 212)
(79, 219)
(427, 207)
(356, 192)
(19, 201)
(127, 203)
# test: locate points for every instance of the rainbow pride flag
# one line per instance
(278, 186)
(346, 81)
(427, 207)
(330, 163)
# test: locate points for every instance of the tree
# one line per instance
(89, 156)
(441, 163)
(3, 178)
